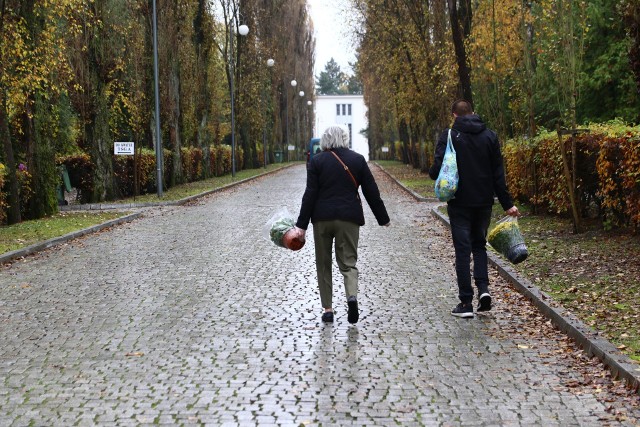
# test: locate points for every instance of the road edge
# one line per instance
(8, 257)
(620, 365)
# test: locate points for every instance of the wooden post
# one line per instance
(570, 174)
(569, 183)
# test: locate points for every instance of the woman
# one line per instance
(332, 203)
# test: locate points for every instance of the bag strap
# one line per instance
(346, 168)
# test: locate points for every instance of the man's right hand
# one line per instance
(512, 211)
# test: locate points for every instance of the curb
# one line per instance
(181, 202)
(20, 253)
(415, 195)
(620, 365)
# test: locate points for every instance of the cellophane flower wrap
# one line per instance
(507, 239)
(447, 181)
(278, 225)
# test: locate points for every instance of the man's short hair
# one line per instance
(462, 107)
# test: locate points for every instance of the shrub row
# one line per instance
(80, 169)
(607, 170)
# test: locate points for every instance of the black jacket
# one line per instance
(331, 193)
(480, 166)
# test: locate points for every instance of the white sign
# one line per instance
(385, 149)
(291, 147)
(125, 148)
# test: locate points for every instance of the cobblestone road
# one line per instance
(189, 316)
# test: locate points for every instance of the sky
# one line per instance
(330, 31)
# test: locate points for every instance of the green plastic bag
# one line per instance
(507, 239)
(278, 225)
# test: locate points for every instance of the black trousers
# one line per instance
(469, 233)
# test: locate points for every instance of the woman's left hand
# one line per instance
(300, 233)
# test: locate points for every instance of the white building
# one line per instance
(348, 110)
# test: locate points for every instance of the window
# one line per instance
(349, 109)
(344, 109)
(350, 139)
(337, 109)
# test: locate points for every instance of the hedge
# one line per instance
(607, 173)
(80, 169)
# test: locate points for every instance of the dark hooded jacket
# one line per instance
(480, 165)
(331, 193)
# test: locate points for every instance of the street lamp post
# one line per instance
(243, 30)
(270, 63)
(308, 132)
(298, 141)
(286, 106)
(159, 159)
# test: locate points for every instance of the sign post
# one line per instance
(123, 148)
(128, 149)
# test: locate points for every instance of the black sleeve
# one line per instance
(499, 181)
(309, 197)
(371, 194)
(441, 147)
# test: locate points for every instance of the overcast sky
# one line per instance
(330, 31)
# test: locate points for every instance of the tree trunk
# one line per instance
(174, 121)
(13, 212)
(403, 133)
(40, 150)
(464, 74)
(203, 103)
(99, 137)
(41, 161)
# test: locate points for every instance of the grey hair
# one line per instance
(335, 136)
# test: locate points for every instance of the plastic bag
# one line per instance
(277, 227)
(507, 239)
(447, 182)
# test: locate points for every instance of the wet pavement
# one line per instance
(190, 316)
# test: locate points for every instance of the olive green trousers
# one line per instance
(345, 235)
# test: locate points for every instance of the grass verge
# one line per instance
(410, 177)
(594, 274)
(27, 233)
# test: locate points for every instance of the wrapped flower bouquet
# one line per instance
(507, 239)
(279, 229)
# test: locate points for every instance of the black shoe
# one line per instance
(353, 315)
(327, 317)
(463, 310)
(484, 302)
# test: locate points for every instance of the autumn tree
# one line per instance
(33, 105)
(97, 56)
(405, 64)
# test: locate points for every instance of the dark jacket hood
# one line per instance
(471, 123)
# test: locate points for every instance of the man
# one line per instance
(481, 176)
